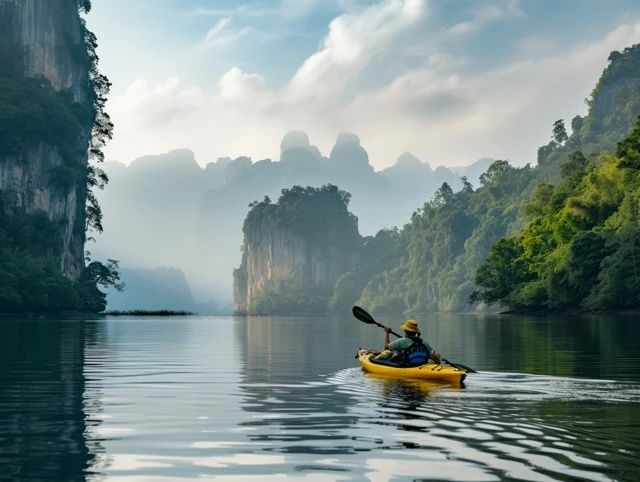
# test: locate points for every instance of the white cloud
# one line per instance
(431, 110)
(287, 9)
(221, 34)
(536, 44)
(238, 85)
(485, 13)
(148, 105)
(504, 113)
(296, 9)
(240, 10)
(352, 41)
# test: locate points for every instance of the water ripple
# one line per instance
(193, 398)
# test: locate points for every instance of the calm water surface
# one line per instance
(282, 398)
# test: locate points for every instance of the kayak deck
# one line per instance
(429, 371)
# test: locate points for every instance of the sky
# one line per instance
(450, 81)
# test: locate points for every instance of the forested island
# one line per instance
(53, 127)
(562, 235)
(294, 251)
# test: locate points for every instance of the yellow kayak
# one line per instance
(429, 371)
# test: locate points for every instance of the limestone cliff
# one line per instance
(45, 39)
(295, 250)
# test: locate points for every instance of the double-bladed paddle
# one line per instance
(365, 317)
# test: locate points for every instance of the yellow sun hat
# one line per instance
(410, 325)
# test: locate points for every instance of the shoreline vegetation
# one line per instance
(550, 312)
(413, 314)
(79, 314)
(580, 250)
(170, 313)
(148, 313)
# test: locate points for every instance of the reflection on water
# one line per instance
(501, 425)
(42, 417)
(282, 398)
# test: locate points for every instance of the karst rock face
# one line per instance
(50, 37)
(294, 251)
(271, 253)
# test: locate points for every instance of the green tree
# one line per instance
(559, 132)
(572, 170)
(504, 273)
(628, 151)
(91, 299)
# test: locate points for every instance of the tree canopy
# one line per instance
(581, 249)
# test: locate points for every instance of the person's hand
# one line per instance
(386, 329)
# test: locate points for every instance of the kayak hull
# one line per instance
(429, 371)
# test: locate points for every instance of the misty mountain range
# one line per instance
(168, 211)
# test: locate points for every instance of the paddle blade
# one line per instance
(362, 315)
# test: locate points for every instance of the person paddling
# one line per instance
(411, 350)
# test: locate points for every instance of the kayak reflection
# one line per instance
(408, 394)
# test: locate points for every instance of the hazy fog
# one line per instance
(167, 211)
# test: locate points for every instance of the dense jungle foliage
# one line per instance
(30, 278)
(581, 249)
(318, 215)
(445, 242)
(32, 114)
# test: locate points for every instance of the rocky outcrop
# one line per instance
(295, 250)
(271, 254)
(51, 38)
(349, 158)
(27, 186)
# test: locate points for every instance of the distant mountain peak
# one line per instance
(295, 139)
(347, 138)
(407, 159)
(349, 156)
(178, 158)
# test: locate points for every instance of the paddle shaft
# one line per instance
(392, 332)
(460, 366)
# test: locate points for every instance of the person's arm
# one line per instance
(433, 355)
(387, 330)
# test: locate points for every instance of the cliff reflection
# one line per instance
(286, 349)
(282, 366)
(43, 428)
